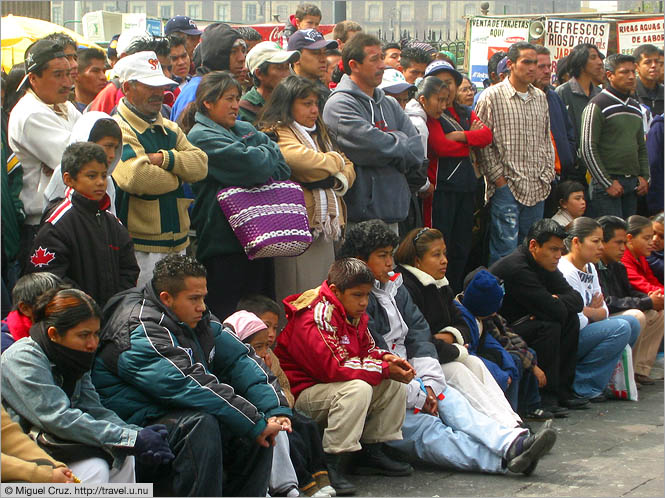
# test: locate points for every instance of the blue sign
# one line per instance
(479, 74)
(154, 27)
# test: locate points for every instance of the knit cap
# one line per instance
(245, 324)
(483, 295)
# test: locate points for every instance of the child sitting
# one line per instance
(24, 296)
(80, 241)
(306, 451)
(307, 16)
(340, 378)
(482, 298)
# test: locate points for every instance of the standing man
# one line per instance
(312, 62)
(268, 64)
(585, 66)
(612, 142)
(180, 61)
(414, 61)
(39, 129)
(156, 160)
(519, 163)
(649, 90)
(375, 134)
(91, 76)
(344, 31)
(185, 26)
(561, 130)
(391, 55)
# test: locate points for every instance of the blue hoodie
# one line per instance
(377, 135)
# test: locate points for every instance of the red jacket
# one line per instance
(640, 275)
(319, 345)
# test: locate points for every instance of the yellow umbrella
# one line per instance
(17, 33)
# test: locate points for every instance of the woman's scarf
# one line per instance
(69, 363)
(326, 206)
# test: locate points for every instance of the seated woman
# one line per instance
(639, 245)
(325, 173)
(655, 259)
(601, 339)
(570, 196)
(422, 261)
(46, 385)
(238, 155)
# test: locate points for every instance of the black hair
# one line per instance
(562, 70)
(493, 62)
(636, 224)
(258, 305)
(429, 86)
(342, 29)
(391, 45)
(610, 225)
(176, 39)
(355, 49)
(263, 68)
(170, 273)
(16, 74)
(366, 237)
(579, 56)
(542, 50)
(85, 56)
(414, 55)
(157, 44)
(307, 9)
(333, 51)
(580, 228)
(212, 86)
(565, 189)
(337, 74)
(78, 155)
(62, 38)
(543, 230)
(248, 33)
(347, 273)
(277, 109)
(415, 244)
(29, 287)
(516, 49)
(105, 127)
(64, 309)
(645, 49)
(612, 62)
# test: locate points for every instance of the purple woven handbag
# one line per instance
(269, 220)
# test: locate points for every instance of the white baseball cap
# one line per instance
(128, 37)
(268, 51)
(143, 67)
(394, 82)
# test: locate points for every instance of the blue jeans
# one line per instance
(509, 222)
(522, 393)
(459, 438)
(600, 345)
(603, 204)
(634, 327)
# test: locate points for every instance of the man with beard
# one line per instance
(156, 160)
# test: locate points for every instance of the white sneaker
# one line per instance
(329, 490)
(320, 494)
(293, 492)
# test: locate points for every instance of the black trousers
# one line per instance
(306, 448)
(208, 460)
(556, 347)
(232, 277)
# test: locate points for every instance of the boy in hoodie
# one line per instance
(338, 375)
(374, 133)
(80, 241)
(440, 426)
(97, 127)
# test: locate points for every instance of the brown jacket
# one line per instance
(22, 459)
(276, 369)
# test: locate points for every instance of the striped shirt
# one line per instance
(521, 150)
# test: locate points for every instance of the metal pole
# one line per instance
(339, 11)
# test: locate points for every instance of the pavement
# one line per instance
(613, 449)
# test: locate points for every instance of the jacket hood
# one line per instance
(346, 85)
(413, 108)
(425, 278)
(216, 43)
(82, 129)
(297, 302)
(658, 118)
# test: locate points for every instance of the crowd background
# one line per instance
(474, 259)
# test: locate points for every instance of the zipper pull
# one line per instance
(99, 218)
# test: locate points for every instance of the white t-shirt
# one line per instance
(584, 282)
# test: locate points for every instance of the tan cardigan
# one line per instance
(22, 459)
(308, 165)
(276, 369)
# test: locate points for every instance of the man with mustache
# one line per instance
(156, 159)
(39, 128)
(375, 133)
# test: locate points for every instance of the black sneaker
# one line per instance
(524, 453)
(373, 461)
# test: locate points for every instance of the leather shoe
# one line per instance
(339, 482)
(599, 398)
(373, 461)
(575, 402)
(644, 380)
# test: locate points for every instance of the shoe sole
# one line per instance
(345, 492)
(373, 471)
(542, 444)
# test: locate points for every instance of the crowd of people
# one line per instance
(478, 259)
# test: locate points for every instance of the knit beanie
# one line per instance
(245, 324)
(483, 296)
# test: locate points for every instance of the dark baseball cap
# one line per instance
(309, 39)
(502, 66)
(38, 55)
(111, 49)
(182, 24)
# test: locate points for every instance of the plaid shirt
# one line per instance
(521, 150)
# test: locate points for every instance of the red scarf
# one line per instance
(19, 324)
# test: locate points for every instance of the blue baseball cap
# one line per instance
(182, 24)
(502, 66)
(309, 39)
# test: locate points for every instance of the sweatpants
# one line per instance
(460, 437)
(97, 471)
(209, 460)
(354, 411)
(282, 475)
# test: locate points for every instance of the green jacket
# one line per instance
(237, 157)
(250, 105)
(12, 207)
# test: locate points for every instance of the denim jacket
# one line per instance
(32, 394)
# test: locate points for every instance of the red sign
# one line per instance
(272, 32)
